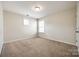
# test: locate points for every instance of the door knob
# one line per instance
(77, 31)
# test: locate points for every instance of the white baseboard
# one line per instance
(29, 37)
(46, 36)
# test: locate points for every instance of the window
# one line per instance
(41, 26)
(26, 22)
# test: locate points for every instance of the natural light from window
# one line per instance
(41, 26)
(26, 22)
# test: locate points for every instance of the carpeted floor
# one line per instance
(38, 47)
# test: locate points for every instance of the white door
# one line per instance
(77, 26)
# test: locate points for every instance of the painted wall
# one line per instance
(1, 27)
(15, 28)
(60, 26)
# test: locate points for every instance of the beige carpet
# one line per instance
(38, 47)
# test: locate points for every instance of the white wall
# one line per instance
(1, 27)
(60, 26)
(15, 28)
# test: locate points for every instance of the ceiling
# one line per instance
(46, 7)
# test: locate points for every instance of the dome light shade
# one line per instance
(37, 8)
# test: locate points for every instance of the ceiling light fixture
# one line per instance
(27, 15)
(37, 8)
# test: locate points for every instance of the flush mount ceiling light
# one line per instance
(37, 8)
(27, 15)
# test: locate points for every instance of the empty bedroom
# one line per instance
(39, 28)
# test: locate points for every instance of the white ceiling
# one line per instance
(47, 7)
